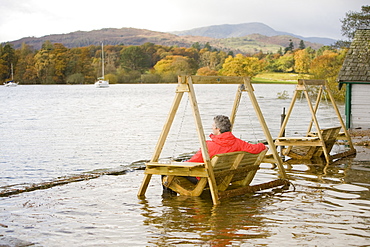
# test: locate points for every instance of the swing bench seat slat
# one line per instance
(175, 164)
(176, 168)
(298, 141)
(230, 170)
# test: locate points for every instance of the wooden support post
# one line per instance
(236, 104)
(318, 99)
(325, 151)
(203, 144)
(349, 139)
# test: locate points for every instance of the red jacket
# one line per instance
(227, 143)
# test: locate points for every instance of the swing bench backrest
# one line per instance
(235, 168)
(329, 136)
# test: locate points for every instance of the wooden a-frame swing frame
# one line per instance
(314, 140)
(185, 85)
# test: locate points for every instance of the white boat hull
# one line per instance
(10, 84)
(101, 84)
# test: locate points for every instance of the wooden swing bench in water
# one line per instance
(225, 175)
(314, 144)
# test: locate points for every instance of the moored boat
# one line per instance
(11, 83)
(101, 83)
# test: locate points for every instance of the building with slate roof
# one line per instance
(355, 75)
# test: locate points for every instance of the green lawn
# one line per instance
(282, 78)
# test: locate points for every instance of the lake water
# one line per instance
(51, 132)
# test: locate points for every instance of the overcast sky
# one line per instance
(308, 18)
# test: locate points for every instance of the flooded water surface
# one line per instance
(53, 132)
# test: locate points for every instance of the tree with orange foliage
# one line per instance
(327, 67)
(206, 71)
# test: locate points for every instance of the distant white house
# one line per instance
(355, 75)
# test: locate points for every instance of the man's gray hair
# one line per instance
(223, 123)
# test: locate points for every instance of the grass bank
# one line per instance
(281, 78)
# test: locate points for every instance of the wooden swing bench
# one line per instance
(224, 175)
(314, 145)
(310, 146)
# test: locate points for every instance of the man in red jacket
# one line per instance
(223, 141)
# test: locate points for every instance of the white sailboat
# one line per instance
(101, 83)
(11, 83)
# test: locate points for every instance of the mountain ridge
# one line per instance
(243, 39)
(244, 29)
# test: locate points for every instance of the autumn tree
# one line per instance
(171, 66)
(206, 71)
(44, 63)
(59, 62)
(302, 61)
(213, 60)
(25, 69)
(327, 67)
(242, 66)
(80, 63)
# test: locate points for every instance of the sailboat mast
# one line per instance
(102, 60)
(11, 69)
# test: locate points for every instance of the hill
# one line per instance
(241, 30)
(254, 43)
(243, 38)
(112, 36)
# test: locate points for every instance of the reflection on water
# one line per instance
(330, 205)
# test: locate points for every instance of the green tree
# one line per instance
(134, 58)
(151, 50)
(290, 47)
(80, 62)
(285, 63)
(354, 20)
(7, 59)
(196, 45)
(77, 78)
(208, 46)
(301, 45)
